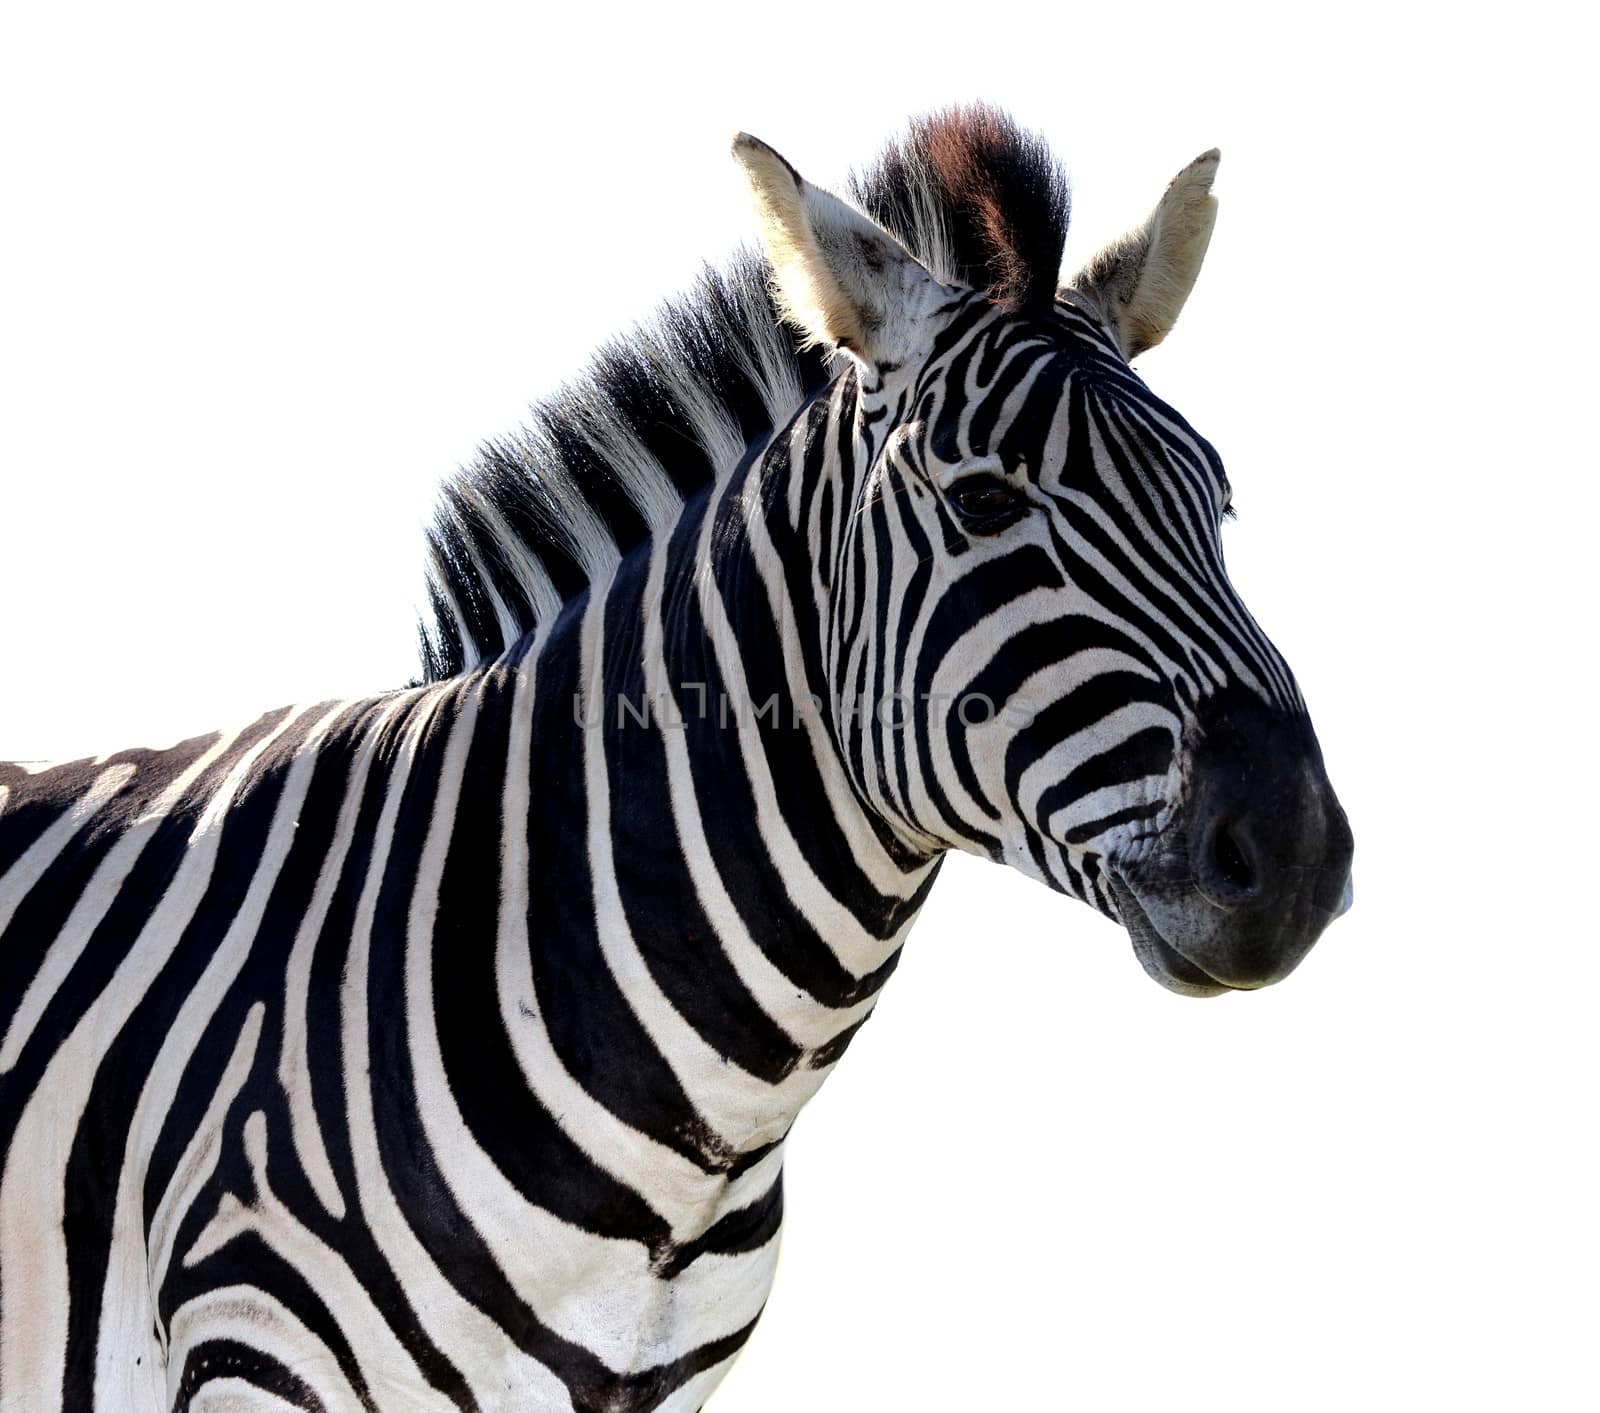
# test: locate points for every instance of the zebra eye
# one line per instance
(986, 502)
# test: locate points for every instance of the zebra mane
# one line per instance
(609, 460)
(978, 200)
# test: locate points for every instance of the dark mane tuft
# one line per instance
(611, 459)
(608, 461)
(978, 199)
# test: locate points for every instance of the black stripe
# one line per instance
(217, 1359)
(663, 910)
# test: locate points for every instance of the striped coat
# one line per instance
(439, 1050)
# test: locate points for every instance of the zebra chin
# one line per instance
(1247, 958)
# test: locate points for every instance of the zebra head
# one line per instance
(1031, 644)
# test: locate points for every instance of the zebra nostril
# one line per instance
(1231, 860)
(1228, 872)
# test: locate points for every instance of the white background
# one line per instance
(269, 273)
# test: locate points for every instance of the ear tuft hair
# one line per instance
(980, 201)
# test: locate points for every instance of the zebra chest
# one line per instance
(437, 1283)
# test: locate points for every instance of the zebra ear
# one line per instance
(837, 276)
(1140, 282)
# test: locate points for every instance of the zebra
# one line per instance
(439, 1050)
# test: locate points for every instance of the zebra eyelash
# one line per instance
(986, 503)
(1229, 513)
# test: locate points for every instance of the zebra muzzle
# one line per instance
(1252, 868)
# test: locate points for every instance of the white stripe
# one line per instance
(19, 879)
(807, 1021)
(595, 1291)
(254, 1319)
(294, 1065)
(466, 1334)
(126, 1310)
(857, 950)
(744, 1110)
(33, 1297)
(237, 1395)
(678, 1191)
(201, 1153)
(93, 904)
(385, 1362)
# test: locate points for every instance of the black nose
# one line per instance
(1269, 847)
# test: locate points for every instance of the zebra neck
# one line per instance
(707, 909)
